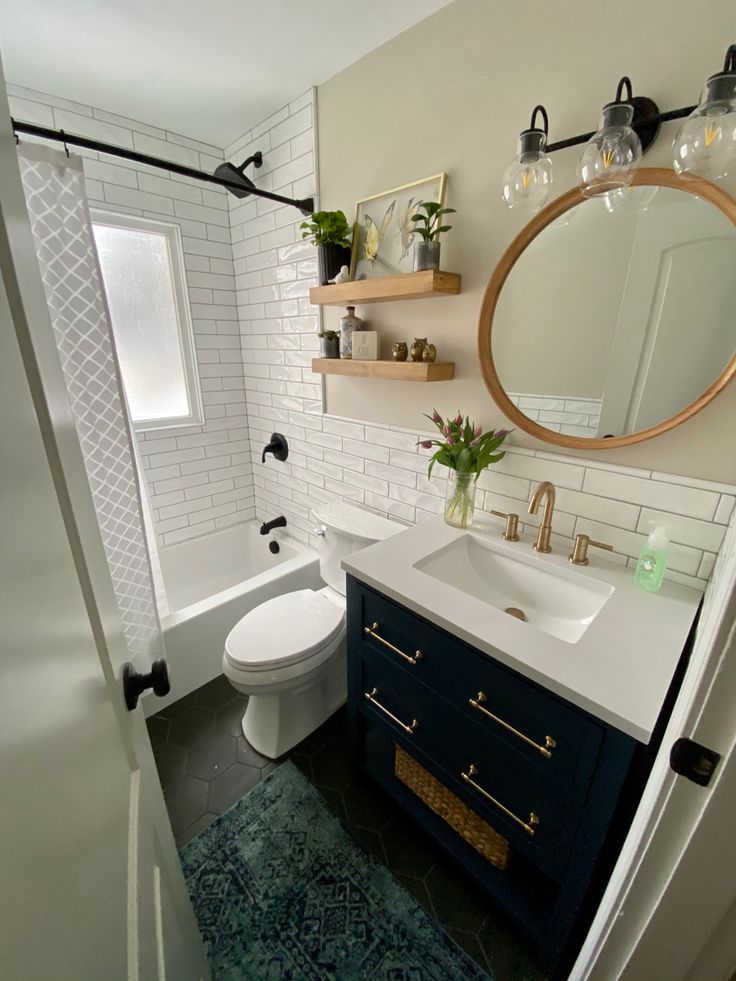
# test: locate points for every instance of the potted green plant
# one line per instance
(331, 233)
(329, 344)
(427, 226)
(466, 451)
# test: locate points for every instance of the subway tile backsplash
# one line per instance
(249, 274)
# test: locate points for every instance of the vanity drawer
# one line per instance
(558, 741)
(499, 784)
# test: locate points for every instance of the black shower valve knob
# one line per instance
(278, 446)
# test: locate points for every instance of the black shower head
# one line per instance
(229, 172)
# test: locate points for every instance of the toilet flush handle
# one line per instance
(320, 531)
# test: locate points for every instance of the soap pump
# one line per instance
(652, 560)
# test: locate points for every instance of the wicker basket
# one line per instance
(446, 805)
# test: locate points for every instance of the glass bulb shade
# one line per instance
(612, 154)
(705, 145)
(527, 181)
(629, 200)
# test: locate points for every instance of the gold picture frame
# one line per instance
(382, 235)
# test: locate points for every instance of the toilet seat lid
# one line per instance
(284, 629)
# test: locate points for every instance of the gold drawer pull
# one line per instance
(529, 826)
(371, 632)
(370, 697)
(549, 742)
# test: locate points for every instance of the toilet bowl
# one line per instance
(288, 654)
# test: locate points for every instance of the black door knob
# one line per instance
(135, 683)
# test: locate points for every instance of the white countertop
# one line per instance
(619, 670)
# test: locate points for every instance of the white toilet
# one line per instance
(288, 654)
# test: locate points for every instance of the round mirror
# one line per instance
(612, 319)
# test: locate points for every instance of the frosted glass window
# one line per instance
(143, 275)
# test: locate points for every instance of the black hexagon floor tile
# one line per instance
(158, 729)
(229, 717)
(507, 953)
(458, 904)
(211, 756)
(302, 763)
(171, 763)
(230, 786)
(367, 807)
(418, 890)
(471, 946)
(246, 754)
(186, 801)
(331, 765)
(194, 829)
(370, 840)
(192, 726)
(176, 708)
(215, 693)
(408, 852)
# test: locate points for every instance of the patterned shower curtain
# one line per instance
(62, 231)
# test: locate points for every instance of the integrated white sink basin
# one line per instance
(592, 635)
(560, 602)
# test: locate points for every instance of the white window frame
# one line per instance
(177, 269)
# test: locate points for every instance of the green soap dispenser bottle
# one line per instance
(652, 560)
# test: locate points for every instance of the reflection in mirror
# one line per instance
(619, 314)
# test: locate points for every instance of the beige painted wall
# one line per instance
(452, 94)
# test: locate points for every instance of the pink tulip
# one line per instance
(477, 431)
(426, 444)
(458, 420)
(446, 431)
(436, 417)
(450, 441)
(475, 442)
(503, 433)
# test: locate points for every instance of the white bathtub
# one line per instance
(211, 583)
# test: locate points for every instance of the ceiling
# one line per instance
(204, 70)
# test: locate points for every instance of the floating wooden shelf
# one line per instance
(415, 371)
(406, 286)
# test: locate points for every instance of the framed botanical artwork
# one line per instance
(383, 236)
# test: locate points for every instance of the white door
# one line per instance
(675, 328)
(90, 884)
(669, 913)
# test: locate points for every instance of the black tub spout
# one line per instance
(268, 526)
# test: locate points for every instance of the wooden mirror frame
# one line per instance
(651, 176)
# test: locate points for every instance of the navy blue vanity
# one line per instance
(557, 784)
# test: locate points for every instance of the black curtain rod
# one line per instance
(662, 117)
(306, 205)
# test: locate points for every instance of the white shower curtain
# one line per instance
(62, 231)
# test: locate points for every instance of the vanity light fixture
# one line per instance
(613, 153)
(705, 146)
(527, 180)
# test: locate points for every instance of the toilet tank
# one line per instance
(343, 529)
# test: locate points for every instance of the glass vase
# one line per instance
(460, 499)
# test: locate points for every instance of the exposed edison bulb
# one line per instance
(705, 145)
(612, 154)
(527, 181)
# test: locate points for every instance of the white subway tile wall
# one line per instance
(383, 468)
(200, 478)
(572, 415)
(256, 332)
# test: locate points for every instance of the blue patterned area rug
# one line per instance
(282, 893)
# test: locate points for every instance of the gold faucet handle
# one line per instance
(512, 525)
(580, 551)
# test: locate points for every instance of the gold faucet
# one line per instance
(546, 490)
